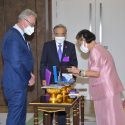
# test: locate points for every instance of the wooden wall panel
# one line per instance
(2, 23)
(43, 31)
(9, 10)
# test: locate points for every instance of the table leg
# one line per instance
(56, 118)
(75, 115)
(35, 116)
(47, 118)
(67, 116)
(43, 118)
(82, 109)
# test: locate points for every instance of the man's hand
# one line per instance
(32, 80)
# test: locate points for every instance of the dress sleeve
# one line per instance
(95, 60)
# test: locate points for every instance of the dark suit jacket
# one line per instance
(18, 60)
(50, 57)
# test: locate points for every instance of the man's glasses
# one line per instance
(29, 22)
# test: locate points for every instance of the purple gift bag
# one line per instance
(47, 76)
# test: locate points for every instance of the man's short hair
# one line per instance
(26, 13)
(60, 26)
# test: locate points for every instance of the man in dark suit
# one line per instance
(50, 57)
(18, 67)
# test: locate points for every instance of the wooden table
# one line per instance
(75, 104)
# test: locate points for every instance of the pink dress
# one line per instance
(105, 90)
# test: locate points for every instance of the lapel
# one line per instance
(23, 38)
(55, 53)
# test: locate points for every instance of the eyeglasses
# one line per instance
(29, 22)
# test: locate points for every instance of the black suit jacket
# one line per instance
(50, 58)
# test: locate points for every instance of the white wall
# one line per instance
(75, 14)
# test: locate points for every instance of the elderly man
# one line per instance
(18, 67)
(60, 53)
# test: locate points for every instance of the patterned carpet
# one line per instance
(88, 120)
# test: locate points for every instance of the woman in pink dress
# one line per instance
(104, 83)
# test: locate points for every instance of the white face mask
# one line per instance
(84, 48)
(29, 30)
(59, 39)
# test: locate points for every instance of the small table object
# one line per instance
(43, 104)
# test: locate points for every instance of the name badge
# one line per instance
(66, 59)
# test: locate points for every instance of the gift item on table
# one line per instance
(66, 77)
(47, 76)
(55, 74)
(73, 93)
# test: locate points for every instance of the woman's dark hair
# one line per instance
(87, 35)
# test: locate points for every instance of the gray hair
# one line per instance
(60, 26)
(26, 13)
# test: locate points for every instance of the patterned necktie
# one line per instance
(28, 45)
(59, 51)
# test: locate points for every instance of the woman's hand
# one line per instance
(74, 70)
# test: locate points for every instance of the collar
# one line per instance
(19, 29)
(58, 44)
